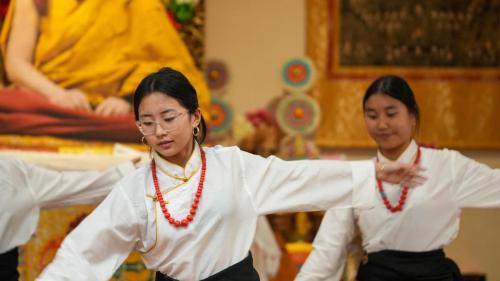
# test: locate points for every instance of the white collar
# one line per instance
(177, 172)
(407, 156)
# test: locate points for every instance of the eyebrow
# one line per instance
(385, 108)
(163, 112)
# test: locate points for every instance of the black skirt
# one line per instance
(408, 266)
(8, 265)
(241, 271)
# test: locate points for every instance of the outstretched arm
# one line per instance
(475, 185)
(100, 243)
(309, 185)
(275, 185)
(65, 188)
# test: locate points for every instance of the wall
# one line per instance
(255, 37)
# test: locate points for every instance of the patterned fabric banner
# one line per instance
(449, 51)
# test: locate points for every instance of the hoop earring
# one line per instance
(196, 131)
(143, 140)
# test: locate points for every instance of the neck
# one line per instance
(183, 156)
(394, 153)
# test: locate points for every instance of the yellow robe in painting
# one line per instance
(105, 48)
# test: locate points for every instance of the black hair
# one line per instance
(397, 88)
(175, 85)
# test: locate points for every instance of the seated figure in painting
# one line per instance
(74, 64)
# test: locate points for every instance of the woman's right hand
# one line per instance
(72, 98)
(399, 173)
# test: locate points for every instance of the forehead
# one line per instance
(382, 101)
(156, 103)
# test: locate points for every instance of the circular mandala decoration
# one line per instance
(221, 116)
(216, 75)
(298, 74)
(298, 114)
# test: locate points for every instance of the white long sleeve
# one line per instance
(98, 246)
(307, 185)
(327, 259)
(27, 188)
(475, 185)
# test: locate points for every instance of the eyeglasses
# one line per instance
(169, 122)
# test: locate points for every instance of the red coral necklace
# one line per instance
(192, 212)
(404, 191)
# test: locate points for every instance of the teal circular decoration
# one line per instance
(298, 75)
(298, 114)
(221, 116)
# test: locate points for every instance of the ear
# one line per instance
(413, 122)
(196, 118)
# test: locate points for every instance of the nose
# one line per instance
(159, 131)
(382, 123)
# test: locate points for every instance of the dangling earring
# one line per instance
(143, 140)
(196, 131)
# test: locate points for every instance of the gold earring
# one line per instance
(196, 131)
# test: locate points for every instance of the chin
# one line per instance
(387, 145)
(391, 146)
(166, 153)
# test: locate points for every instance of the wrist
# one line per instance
(53, 91)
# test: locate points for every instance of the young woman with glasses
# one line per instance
(192, 211)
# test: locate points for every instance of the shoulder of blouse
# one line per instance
(134, 183)
(220, 149)
(442, 153)
(444, 160)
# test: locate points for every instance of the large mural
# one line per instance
(449, 51)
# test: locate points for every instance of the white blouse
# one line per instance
(238, 188)
(26, 188)
(429, 220)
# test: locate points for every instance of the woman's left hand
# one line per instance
(400, 173)
(113, 106)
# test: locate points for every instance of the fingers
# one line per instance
(404, 174)
(414, 181)
(417, 169)
(83, 103)
(107, 109)
(102, 109)
(80, 102)
(74, 99)
(113, 107)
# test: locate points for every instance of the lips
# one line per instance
(165, 144)
(383, 136)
